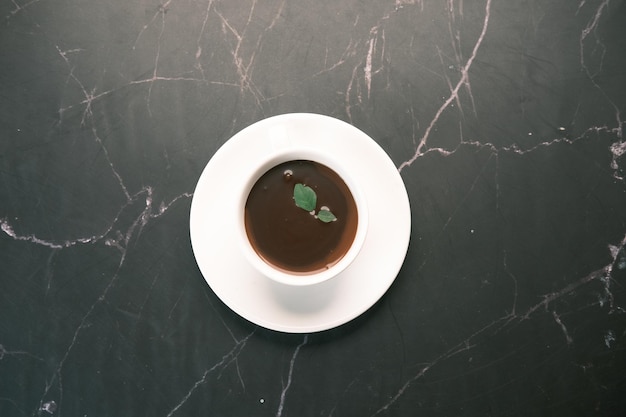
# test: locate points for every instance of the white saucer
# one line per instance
(213, 222)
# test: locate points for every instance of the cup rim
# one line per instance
(300, 279)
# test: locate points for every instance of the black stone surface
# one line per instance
(504, 118)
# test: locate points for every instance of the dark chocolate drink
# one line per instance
(291, 238)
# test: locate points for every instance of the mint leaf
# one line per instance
(326, 216)
(304, 197)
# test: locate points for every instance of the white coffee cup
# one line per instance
(283, 151)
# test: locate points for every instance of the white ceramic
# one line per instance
(225, 261)
(290, 150)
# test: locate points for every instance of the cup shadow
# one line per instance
(304, 299)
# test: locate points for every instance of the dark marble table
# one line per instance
(504, 118)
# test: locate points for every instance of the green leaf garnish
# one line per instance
(326, 216)
(304, 197)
